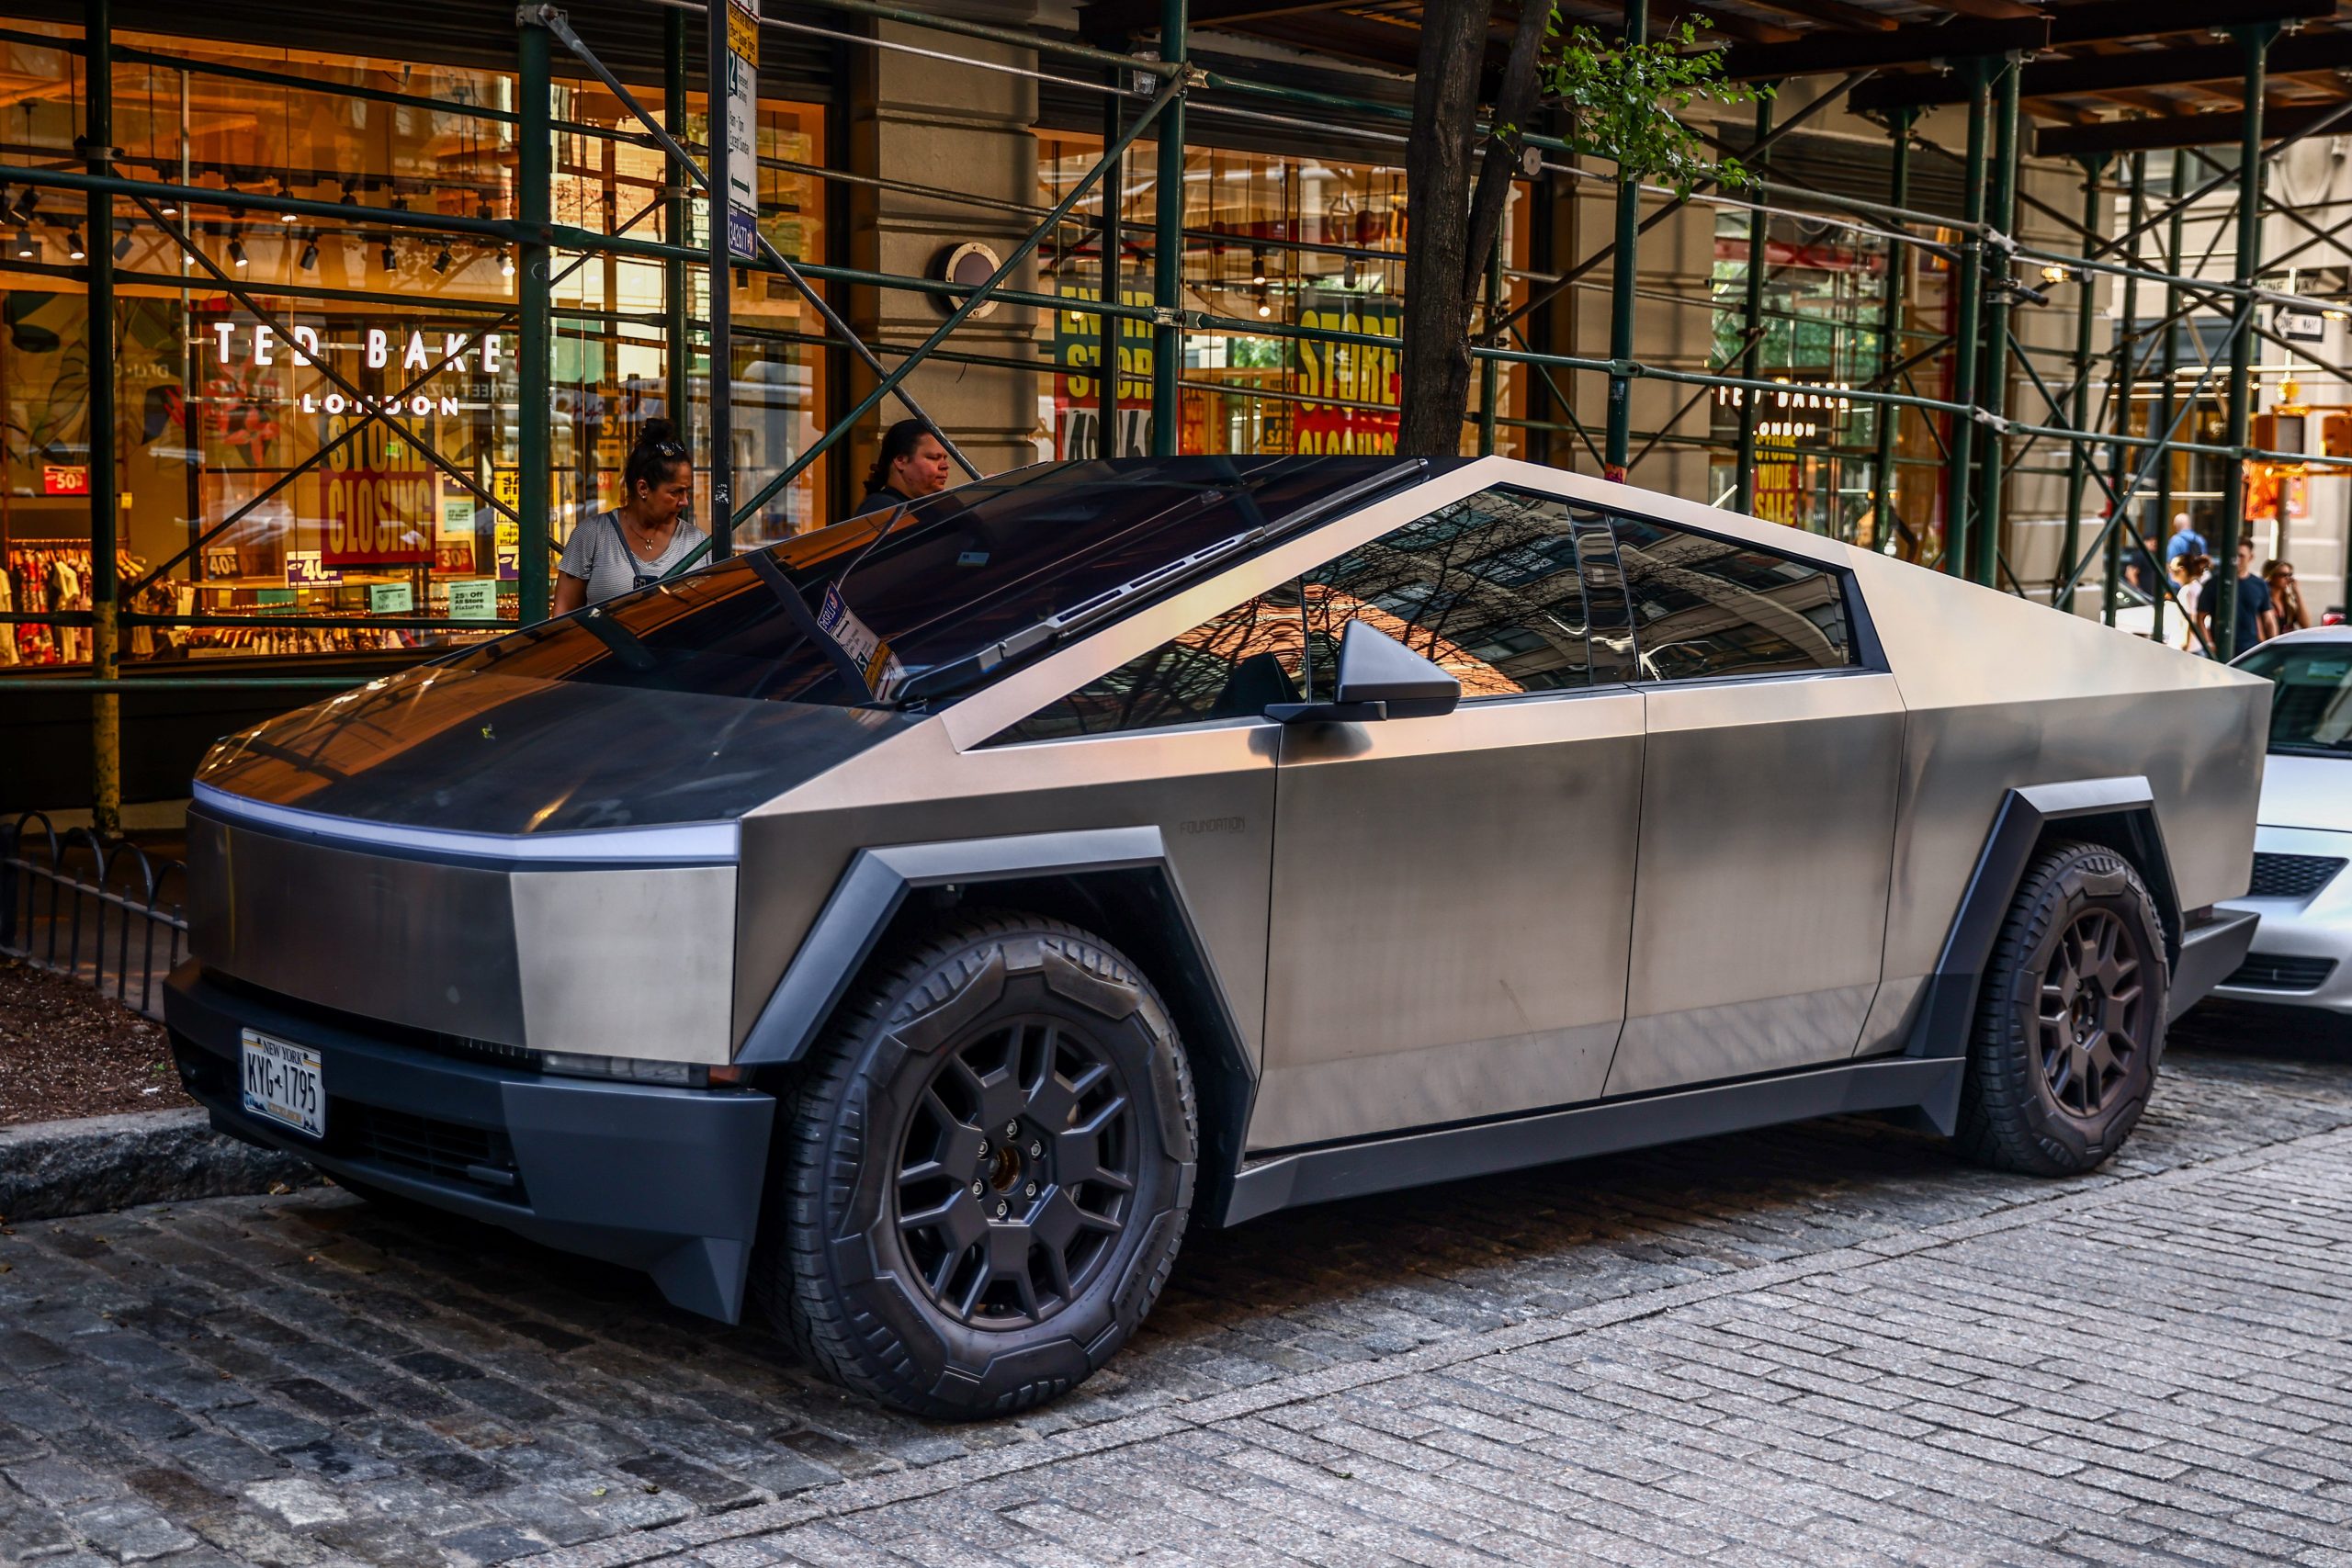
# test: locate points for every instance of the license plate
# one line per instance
(284, 1083)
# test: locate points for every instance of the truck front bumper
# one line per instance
(667, 1180)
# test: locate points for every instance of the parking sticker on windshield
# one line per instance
(884, 673)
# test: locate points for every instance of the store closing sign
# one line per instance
(380, 498)
(1348, 374)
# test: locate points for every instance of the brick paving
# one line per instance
(1822, 1343)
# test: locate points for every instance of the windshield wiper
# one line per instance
(955, 673)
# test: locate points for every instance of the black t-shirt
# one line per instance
(2254, 599)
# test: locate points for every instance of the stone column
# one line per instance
(953, 128)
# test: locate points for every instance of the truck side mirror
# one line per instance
(1380, 678)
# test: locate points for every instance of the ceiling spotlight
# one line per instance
(26, 248)
(122, 246)
(286, 193)
(1351, 276)
(309, 259)
(1265, 304)
(389, 257)
(170, 209)
(350, 197)
(75, 248)
(236, 252)
(1258, 265)
(441, 262)
(506, 264)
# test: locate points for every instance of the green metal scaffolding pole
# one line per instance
(1967, 284)
(1751, 323)
(97, 148)
(2227, 639)
(1993, 368)
(2168, 356)
(2128, 356)
(1109, 287)
(1622, 276)
(1890, 336)
(2086, 317)
(1167, 246)
(677, 293)
(535, 345)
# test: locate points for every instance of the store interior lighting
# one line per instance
(1265, 305)
(309, 261)
(389, 257)
(1351, 276)
(237, 252)
(1258, 265)
(441, 262)
(75, 248)
(122, 243)
(506, 265)
(25, 247)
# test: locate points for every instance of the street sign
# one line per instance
(2297, 326)
(742, 128)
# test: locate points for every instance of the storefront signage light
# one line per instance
(1791, 395)
(260, 347)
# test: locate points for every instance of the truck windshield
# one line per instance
(926, 601)
(2311, 713)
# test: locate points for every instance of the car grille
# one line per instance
(479, 1158)
(2263, 972)
(2292, 877)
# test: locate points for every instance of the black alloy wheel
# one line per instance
(982, 1174)
(2070, 1018)
(2091, 1001)
(1017, 1172)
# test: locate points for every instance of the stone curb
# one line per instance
(91, 1163)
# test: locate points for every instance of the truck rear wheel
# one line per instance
(984, 1171)
(2070, 1020)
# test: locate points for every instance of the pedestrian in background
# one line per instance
(2189, 573)
(2256, 621)
(2286, 598)
(912, 463)
(637, 543)
(2185, 540)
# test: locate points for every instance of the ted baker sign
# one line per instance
(261, 347)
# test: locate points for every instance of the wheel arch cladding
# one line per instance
(1115, 883)
(2119, 813)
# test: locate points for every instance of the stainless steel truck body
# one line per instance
(918, 921)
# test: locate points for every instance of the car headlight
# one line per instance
(631, 1069)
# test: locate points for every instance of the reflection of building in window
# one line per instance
(1706, 606)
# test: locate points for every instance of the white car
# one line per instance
(2302, 949)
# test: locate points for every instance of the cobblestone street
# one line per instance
(1828, 1343)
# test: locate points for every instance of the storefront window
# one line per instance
(1824, 288)
(1301, 242)
(255, 490)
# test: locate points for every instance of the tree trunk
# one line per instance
(1436, 393)
(1453, 229)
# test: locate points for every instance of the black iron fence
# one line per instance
(109, 915)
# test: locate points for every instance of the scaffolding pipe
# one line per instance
(1623, 273)
(1992, 370)
(1965, 290)
(677, 297)
(1167, 239)
(2128, 356)
(2230, 640)
(2167, 354)
(1890, 336)
(97, 147)
(535, 348)
(1110, 288)
(2078, 415)
(1751, 330)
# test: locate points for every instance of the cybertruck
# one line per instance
(917, 923)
